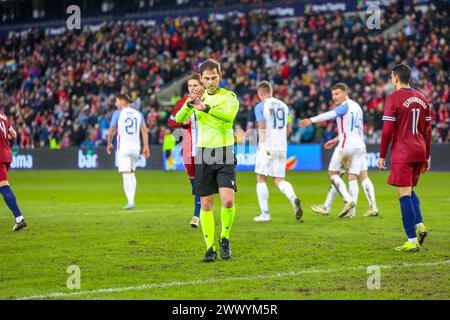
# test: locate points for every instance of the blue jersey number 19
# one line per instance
(279, 118)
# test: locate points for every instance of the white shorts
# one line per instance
(275, 167)
(364, 166)
(127, 160)
(349, 160)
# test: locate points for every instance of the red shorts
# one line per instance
(4, 168)
(405, 174)
(190, 167)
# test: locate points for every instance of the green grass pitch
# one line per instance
(75, 217)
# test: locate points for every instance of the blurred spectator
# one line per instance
(59, 90)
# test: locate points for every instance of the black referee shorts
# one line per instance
(214, 168)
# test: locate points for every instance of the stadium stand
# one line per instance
(58, 90)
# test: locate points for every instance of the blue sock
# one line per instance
(10, 200)
(408, 216)
(197, 206)
(416, 204)
(197, 201)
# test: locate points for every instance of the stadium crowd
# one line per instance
(59, 90)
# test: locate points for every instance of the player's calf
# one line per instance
(11, 202)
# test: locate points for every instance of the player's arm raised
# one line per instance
(337, 112)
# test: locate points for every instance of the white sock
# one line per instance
(412, 240)
(419, 225)
(354, 190)
(133, 179)
(341, 188)
(332, 192)
(128, 187)
(369, 190)
(286, 188)
(19, 219)
(263, 197)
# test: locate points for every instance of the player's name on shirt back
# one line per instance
(412, 100)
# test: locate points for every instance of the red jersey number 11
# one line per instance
(3, 128)
(414, 120)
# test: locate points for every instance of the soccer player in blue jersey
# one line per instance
(273, 128)
(129, 123)
(351, 150)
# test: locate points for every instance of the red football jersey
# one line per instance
(189, 133)
(410, 113)
(5, 148)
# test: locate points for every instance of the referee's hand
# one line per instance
(198, 104)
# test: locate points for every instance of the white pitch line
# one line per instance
(254, 277)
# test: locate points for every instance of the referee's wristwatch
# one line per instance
(207, 108)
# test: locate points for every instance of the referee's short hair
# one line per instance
(340, 86)
(210, 64)
(124, 97)
(264, 86)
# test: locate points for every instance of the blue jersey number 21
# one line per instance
(131, 125)
(279, 118)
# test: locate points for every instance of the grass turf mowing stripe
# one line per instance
(255, 277)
